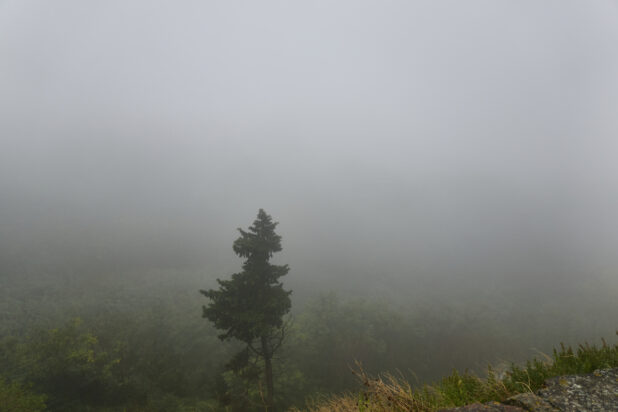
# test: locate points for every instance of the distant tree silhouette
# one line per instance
(250, 307)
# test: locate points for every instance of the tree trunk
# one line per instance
(268, 371)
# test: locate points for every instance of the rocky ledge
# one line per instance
(595, 392)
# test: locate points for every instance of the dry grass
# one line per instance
(380, 394)
(339, 403)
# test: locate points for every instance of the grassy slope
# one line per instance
(389, 393)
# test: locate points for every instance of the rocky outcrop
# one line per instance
(595, 392)
(531, 402)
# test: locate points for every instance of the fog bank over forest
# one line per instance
(443, 173)
(402, 146)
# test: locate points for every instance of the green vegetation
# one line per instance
(70, 364)
(15, 397)
(389, 393)
(565, 361)
(136, 342)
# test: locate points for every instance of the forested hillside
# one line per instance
(444, 173)
(138, 341)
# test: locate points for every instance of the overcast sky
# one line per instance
(394, 138)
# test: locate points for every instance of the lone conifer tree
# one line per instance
(250, 306)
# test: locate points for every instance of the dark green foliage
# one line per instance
(114, 362)
(250, 307)
(70, 365)
(170, 360)
(15, 397)
(253, 302)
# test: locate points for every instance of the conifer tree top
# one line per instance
(261, 241)
(252, 303)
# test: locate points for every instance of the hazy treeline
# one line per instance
(136, 340)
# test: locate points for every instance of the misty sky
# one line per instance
(391, 138)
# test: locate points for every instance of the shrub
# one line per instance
(15, 397)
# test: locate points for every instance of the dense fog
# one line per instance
(420, 153)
